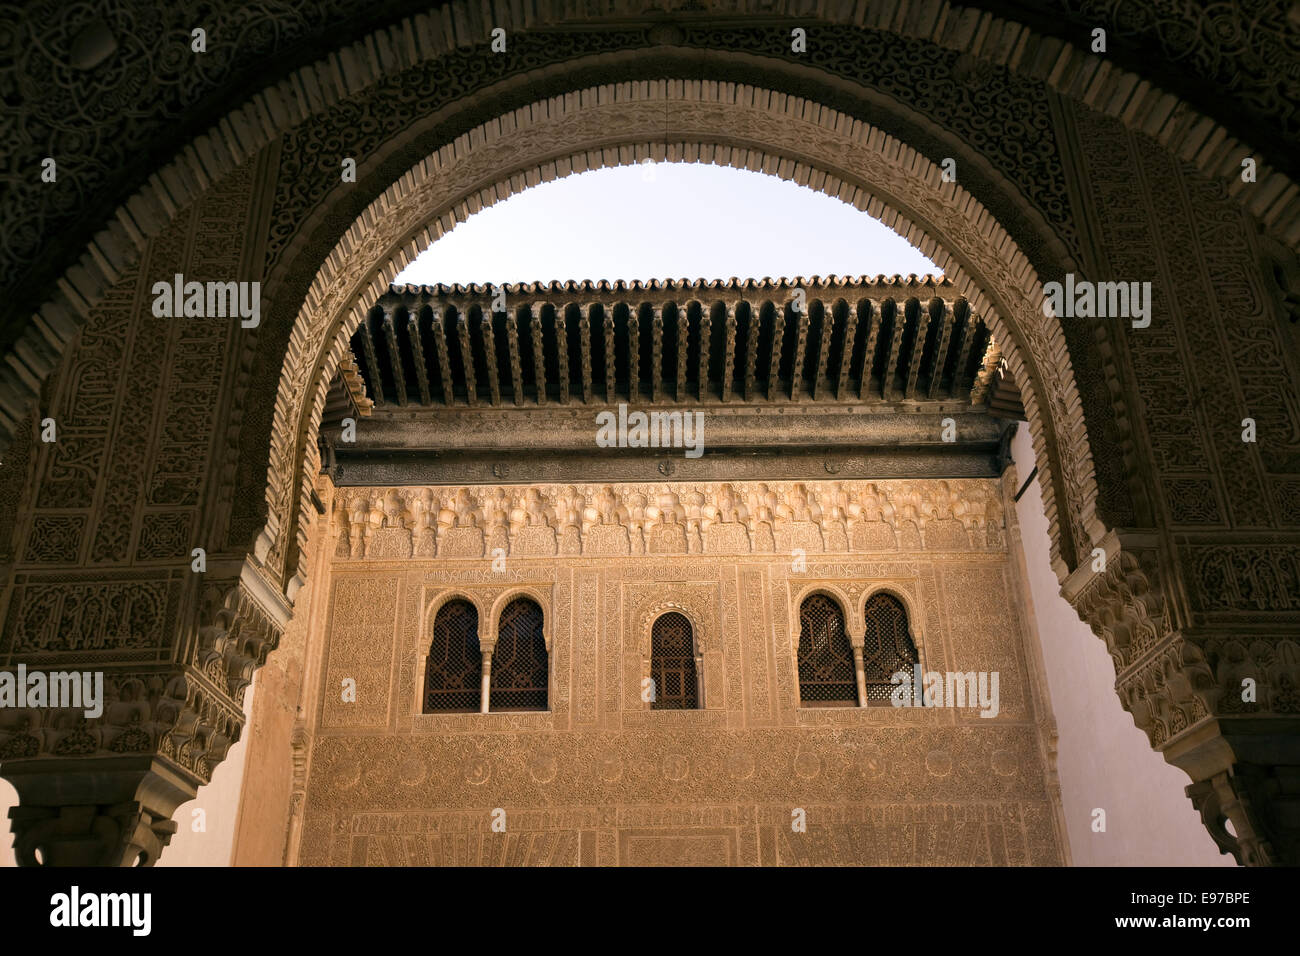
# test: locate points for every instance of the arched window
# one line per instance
(887, 647)
(672, 664)
(519, 667)
(826, 673)
(454, 671)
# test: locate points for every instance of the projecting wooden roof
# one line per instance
(857, 340)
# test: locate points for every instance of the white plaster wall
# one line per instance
(219, 799)
(1103, 760)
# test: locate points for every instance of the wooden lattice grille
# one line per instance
(826, 673)
(454, 669)
(672, 664)
(519, 666)
(888, 647)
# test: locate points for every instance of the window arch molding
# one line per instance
(538, 596)
(699, 633)
(850, 611)
(442, 598)
(915, 620)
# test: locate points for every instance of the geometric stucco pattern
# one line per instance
(59, 79)
(1227, 509)
(102, 572)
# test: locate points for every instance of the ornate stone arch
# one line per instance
(704, 637)
(917, 625)
(872, 170)
(836, 594)
(537, 596)
(436, 603)
(987, 41)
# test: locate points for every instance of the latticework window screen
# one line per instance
(519, 668)
(887, 648)
(826, 674)
(672, 664)
(454, 671)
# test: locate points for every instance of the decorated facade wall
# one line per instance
(600, 777)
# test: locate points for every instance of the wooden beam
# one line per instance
(539, 356)
(417, 348)
(490, 357)
(516, 367)
(941, 348)
(821, 370)
(729, 351)
(683, 336)
(706, 342)
(963, 355)
(633, 352)
(802, 324)
(751, 353)
(656, 352)
(372, 363)
(899, 322)
(444, 356)
(467, 357)
(611, 368)
(562, 349)
(585, 330)
(869, 350)
(918, 347)
(850, 343)
(778, 346)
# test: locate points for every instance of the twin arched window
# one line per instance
(672, 664)
(827, 665)
(518, 670)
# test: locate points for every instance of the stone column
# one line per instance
(860, 675)
(485, 686)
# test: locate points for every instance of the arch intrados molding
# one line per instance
(701, 637)
(342, 291)
(916, 622)
(533, 594)
(440, 600)
(852, 630)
